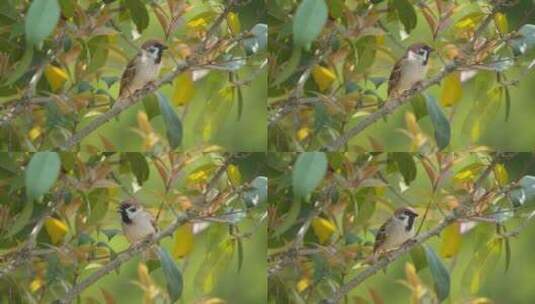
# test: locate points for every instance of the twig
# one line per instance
(122, 104)
(134, 250)
(390, 106)
(122, 258)
(391, 257)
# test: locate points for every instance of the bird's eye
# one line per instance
(132, 210)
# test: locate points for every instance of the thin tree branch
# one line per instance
(123, 104)
(123, 257)
(137, 248)
(388, 259)
(390, 106)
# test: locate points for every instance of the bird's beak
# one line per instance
(164, 47)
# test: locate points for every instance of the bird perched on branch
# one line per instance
(137, 224)
(409, 69)
(142, 69)
(397, 230)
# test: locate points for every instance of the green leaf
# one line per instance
(150, 103)
(406, 165)
(139, 166)
(308, 22)
(21, 220)
(110, 233)
(418, 258)
(308, 172)
(41, 174)
(419, 106)
(440, 122)
(257, 193)
(440, 274)
(22, 67)
(172, 275)
(99, 202)
(406, 13)
(40, 21)
(173, 125)
(258, 41)
(139, 14)
(289, 68)
(289, 220)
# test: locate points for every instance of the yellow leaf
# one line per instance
(451, 241)
(323, 229)
(197, 23)
(452, 90)
(233, 23)
(198, 177)
(143, 122)
(501, 174)
(183, 241)
(303, 133)
(410, 273)
(303, 284)
(55, 76)
(183, 89)
(323, 77)
(143, 274)
(234, 175)
(36, 284)
(501, 22)
(56, 229)
(34, 133)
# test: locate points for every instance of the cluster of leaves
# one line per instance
(61, 62)
(332, 59)
(66, 203)
(325, 209)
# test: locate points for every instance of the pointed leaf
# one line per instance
(308, 22)
(40, 21)
(440, 274)
(451, 91)
(139, 14)
(173, 124)
(440, 122)
(172, 275)
(41, 174)
(308, 172)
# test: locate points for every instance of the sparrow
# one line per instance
(137, 224)
(409, 70)
(142, 69)
(397, 230)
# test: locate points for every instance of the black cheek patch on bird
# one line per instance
(411, 223)
(124, 215)
(160, 53)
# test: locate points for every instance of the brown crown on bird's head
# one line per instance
(420, 46)
(155, 43)
(406, 211)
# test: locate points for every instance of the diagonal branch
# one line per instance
(137, 248)
(390, 106)
(123, 104)
(124, 257)
(391, 257)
